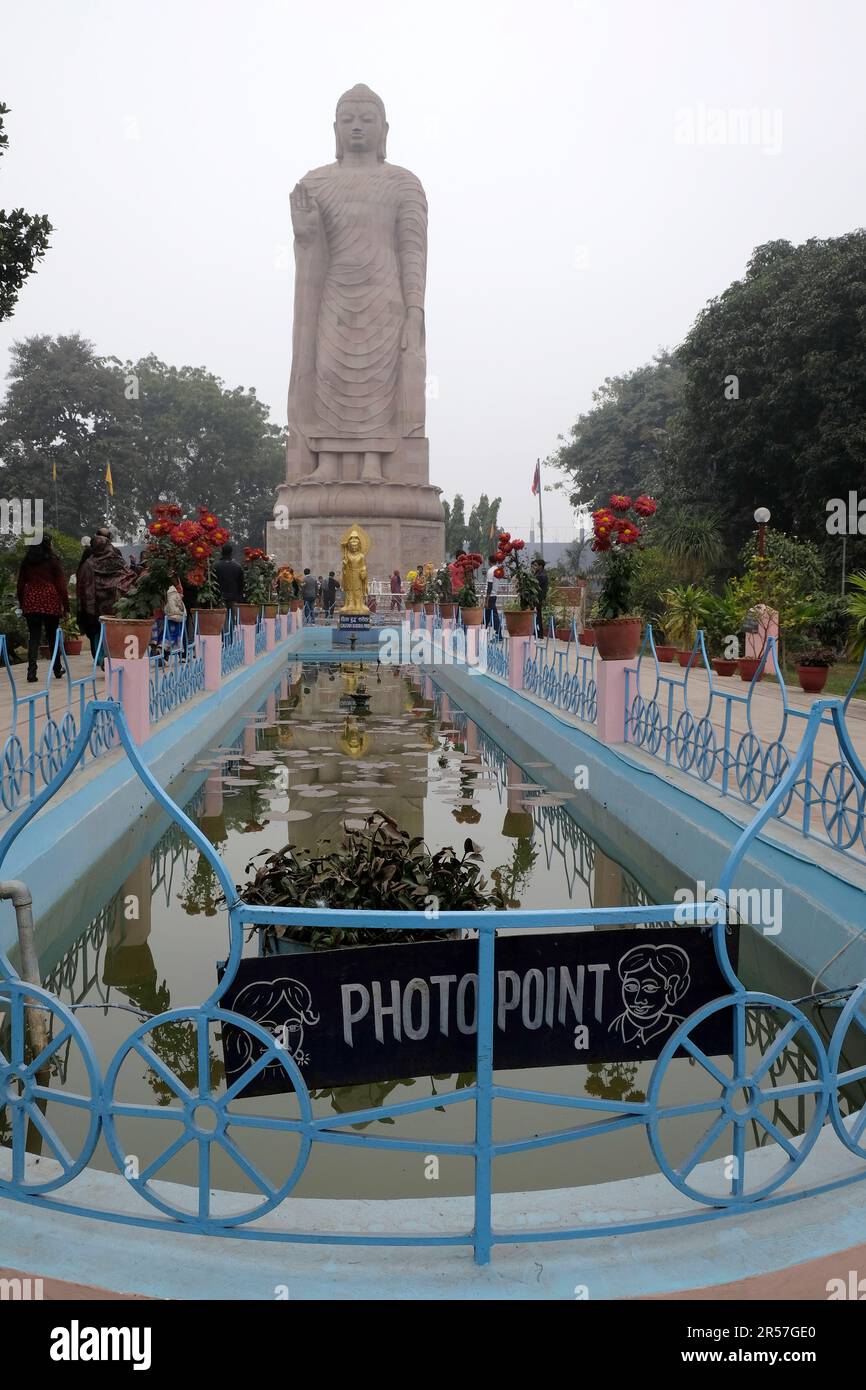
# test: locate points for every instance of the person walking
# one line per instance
(43, 599)
(396, 590)
(230, 578)
(97, 587)
(330, 593)
(492, 616)
(539, 569)
(309, 588)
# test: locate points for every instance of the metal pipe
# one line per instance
(22, 900)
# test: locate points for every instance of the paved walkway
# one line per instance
(58, 695)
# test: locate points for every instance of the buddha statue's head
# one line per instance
(354, 543)
(360, 126)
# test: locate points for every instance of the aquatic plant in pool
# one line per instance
(377, 866)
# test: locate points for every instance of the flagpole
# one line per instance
(540, 517)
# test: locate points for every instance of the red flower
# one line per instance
(600, 543)
(196, 576)
(620, 502)
(517, 545)
(207, 519)
(498, 557)
(645, 506)
(159, 528)
(199, 550)
(628, 533)
(219, 536)
(499, 572)
(505, 535)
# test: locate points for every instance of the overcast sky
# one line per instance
(590, 182)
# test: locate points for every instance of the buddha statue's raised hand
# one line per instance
(305, 214)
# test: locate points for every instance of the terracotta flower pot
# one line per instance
(294, 605)
(73, 646)
(211, 621)
(430, 608)
(666, 653)
(248, 614)
(520, 621)
(684, 657)
(472, 616)
(270, 610)
(748, 665)
(127, 638)
(812, 678)
(618, 640)
(563, 634)
(587, 637)
(722, 667)
(446, 610)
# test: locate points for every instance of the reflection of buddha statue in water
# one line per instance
(355, 545)
(353, 742)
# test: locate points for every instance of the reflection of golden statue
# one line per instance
(353, 742)
(355, 544)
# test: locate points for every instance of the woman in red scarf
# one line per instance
(43, 599)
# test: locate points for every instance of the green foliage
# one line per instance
(379, 867)
(455, 526)
(23, 242)
(692, 540)
(793, 332)
(798, 562)
(857, 611)
(68, 407)
(483, 519)
(686, 609)
(623, 443)
(652, 576)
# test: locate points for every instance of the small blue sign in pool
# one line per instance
(379, 1012)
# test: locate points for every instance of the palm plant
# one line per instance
(857, 609)
(692, 540)
(686, 609)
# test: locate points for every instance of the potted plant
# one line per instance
(616, 536)
(260, 578)
(463, 583)
(412, 593)
(587, 637)
(210, 609)
(128, 631)
(813, 667)
(376, 866)
(665, 651)
(723, 623)
(442, 584)
(686, 609)
(71, 635)
(520, 612)
(427, 581)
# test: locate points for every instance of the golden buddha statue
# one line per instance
(355, 544)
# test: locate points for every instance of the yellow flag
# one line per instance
(54, 471)
(109, 482)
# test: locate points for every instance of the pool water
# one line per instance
(298, 769)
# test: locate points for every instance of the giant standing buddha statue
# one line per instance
(357, 451)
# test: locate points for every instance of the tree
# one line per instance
(455, 526)
(482, 525)
(774, 400)
(23, 241)
(692, 539)
(624, 442)
(169, 433)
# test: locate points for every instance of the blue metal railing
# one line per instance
(232, 655)
(495, 652)
(261, 642)
(737, 1096)
(711, 736)
(45, 725)
(278, 628)
(176, 673)
(561, 674)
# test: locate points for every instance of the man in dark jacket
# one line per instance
(309, 590)
(230, 577)
(539, 569)
(330, 593)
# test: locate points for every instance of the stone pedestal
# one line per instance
(403, 520)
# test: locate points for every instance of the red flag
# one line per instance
(536, 479)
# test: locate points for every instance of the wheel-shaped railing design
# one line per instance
(205, 1119)
(850, 1029)
(842, 800)
(743, 1099)
(13, 772)
(25, 1082)
(748, 767)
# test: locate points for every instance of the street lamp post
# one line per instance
(762, 516)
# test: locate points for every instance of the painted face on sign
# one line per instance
(654, 980)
